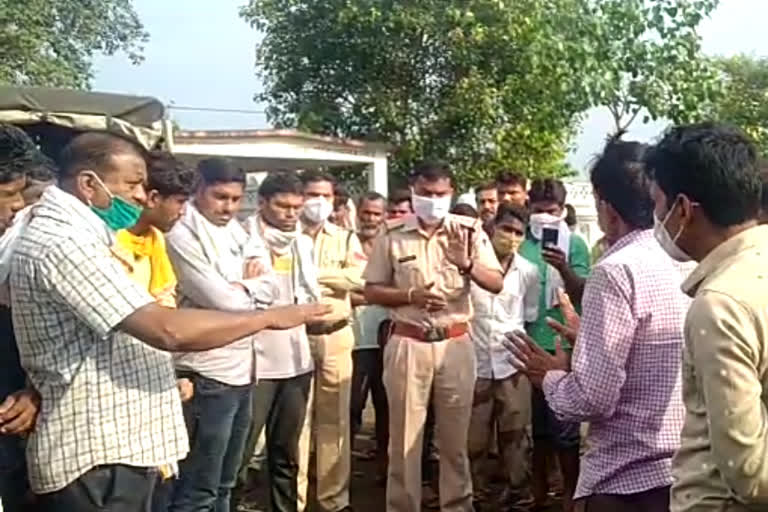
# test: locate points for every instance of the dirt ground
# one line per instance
(365, 494)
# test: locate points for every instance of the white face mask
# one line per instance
(317, 209)
(539, 221)
(666, 242)
(431, 210)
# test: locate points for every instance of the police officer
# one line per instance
(421, 268)
(340, 260)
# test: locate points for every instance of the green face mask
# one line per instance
(120, 214)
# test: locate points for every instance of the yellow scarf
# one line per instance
(162, 282)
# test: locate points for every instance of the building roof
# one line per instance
(226, 136)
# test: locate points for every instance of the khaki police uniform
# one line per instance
(340, 260)
(428, 354)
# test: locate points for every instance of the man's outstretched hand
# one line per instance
(288, 317)
(570, 329)
(534, 361)
(18, 412)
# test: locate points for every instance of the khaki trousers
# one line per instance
(501, 411)
(327, 422)
(414, 370)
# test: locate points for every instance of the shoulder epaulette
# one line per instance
(467, 222)
(395, 224)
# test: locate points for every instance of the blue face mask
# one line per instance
(120, 214)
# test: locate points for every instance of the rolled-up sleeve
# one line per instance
(482, 251)
(591, 391)
(349, 276)
(725, 345)
(379, 267)
(199, 281)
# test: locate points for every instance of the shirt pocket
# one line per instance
(451, 283)
(508, 306)
(409, 274)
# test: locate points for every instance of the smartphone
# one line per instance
(550, 237)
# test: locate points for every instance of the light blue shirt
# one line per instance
(366, 325)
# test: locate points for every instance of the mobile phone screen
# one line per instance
(549, 237)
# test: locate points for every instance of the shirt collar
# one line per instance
(628, 239)
(723, 254)
(411, 223)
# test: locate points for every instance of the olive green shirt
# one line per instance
(578, 260)
(722, 464)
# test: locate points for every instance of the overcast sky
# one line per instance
(201, 54)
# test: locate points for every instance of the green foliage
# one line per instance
(52, 42)
(484, 84)
(744, 101)
(650, 55)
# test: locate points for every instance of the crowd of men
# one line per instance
(150, 336)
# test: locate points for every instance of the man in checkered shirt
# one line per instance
(625, 377)
(96, 345)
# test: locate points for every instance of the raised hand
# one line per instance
(570, 329)
(456, 248)
(555, 257)
(534, 361)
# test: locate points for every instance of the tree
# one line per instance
(744, 101)
(652, 60)
(485, 84)
(52, 42)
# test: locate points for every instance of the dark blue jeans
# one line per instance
(218, 417)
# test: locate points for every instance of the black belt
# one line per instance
(326, 329)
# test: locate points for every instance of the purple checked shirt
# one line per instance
(625, 378)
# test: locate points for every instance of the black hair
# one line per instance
(511, 178)
(713, 164)
(764, 189)
(220, 170)
(371, 196)
(43, 170)
(464, 209)
(547, 189)
(400, 195)
(18, 154)
(340, 196)
(281, 182)
(570, 215)
(432, 171)
(488, 185)
(94, 151)
(169, 175)
(313, 176)
(511, 211)
(619, 178)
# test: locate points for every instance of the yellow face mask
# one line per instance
(505, 244)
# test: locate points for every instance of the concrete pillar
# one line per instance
(377, 174)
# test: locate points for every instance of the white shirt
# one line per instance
(206, 268)
(497, 314)
(285, 354)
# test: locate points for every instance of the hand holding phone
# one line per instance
(550, 237)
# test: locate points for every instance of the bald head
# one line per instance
(97, 152)
(97, 166)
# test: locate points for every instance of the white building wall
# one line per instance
(580, 196)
